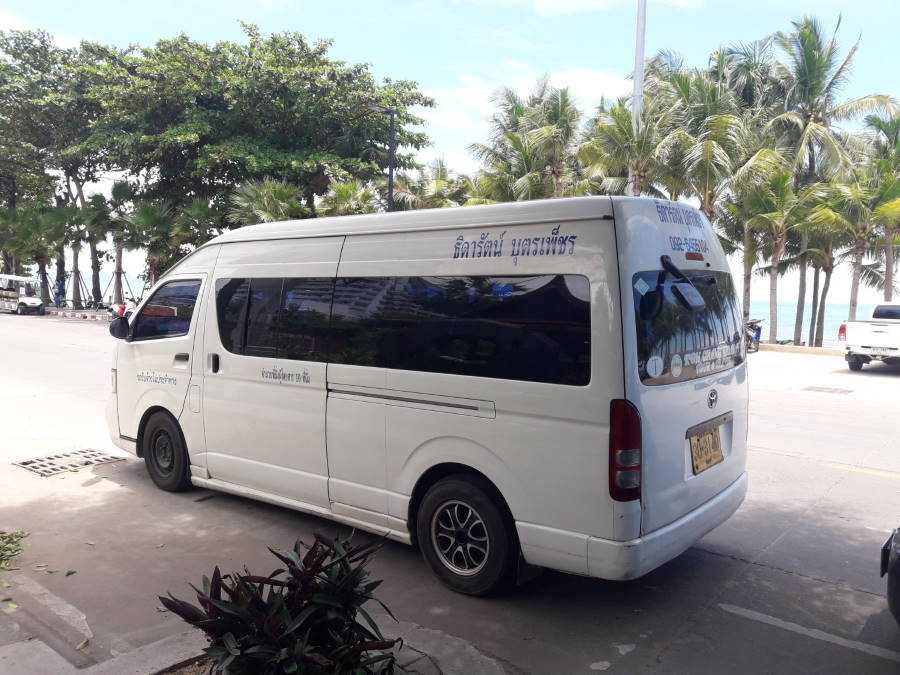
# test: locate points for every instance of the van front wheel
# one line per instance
(465, 537)
(165, 454)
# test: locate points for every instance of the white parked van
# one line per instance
(561, 382)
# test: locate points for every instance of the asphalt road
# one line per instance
(789, 584)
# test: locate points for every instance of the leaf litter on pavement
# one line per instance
(9, 548)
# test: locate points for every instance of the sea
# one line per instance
(835, 314)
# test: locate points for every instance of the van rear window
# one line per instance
(675, 344)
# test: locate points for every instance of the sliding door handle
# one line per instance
(214, 362)
(182, 356)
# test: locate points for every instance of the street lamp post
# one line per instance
(392, 142)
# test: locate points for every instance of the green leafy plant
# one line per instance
(303, 618)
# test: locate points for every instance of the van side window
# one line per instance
(231, 304)
(303, 320)
(168, 312)
(261, 338)
(532, 328)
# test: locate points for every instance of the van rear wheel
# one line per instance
(855, 364)
(465, 536)
(164, 453)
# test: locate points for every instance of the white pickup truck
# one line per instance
(875, 340)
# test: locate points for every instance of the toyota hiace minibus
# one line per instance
(560, 383)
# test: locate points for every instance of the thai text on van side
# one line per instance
(486, 246)
(152, 377)
(281, 375)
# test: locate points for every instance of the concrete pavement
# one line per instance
(789, 584)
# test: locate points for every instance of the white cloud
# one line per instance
(11, 21)
(553, 8)
(464, 108)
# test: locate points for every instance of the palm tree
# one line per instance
(812, 78)
(777, 210)
(121, 195)
(38, 235)
(515, 171)
(552, 126)
(349, 198)
(436, 186)
(265, 201)
(615, 148)
(98, 225)
(157, 230)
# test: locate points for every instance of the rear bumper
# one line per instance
(621, 560)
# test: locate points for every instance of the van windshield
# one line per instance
(675, 344)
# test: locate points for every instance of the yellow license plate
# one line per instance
(706, 450)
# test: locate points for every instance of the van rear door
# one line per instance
(685, 367)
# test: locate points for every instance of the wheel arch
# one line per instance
(440, 471)
(148, 413)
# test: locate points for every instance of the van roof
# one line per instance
(544, 210)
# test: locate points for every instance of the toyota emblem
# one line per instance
(712, 398)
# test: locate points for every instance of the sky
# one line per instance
(461, 51)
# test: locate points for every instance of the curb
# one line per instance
(89, 316)
(796, 349)
(424, 651)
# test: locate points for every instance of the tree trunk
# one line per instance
(76, 278)
(773, 303)
(96, 293)
(60, 272)
(558, 171)
(813, 313)
(748, 271)
(858, 250)
(889, 265)
(801, 288)
(637, 184)
(117, 281)
(45, 286)
(820, 327)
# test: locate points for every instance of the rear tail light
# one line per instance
(842, 332)
(624, 451)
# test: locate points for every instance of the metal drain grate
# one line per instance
(828, 390)
(66, 461)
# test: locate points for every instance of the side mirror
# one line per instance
(118, 328)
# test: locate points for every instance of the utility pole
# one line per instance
(391, 159)
(637, 96)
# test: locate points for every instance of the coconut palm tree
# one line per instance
(777, 209)
(615, 147)
(436, 186)
(812, 77)
(516, 170)
(552, 127)
(39, 232)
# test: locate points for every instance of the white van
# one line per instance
(562, 382)
(19, 294)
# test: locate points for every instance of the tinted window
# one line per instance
(533, 328)
(168, 312)
(303, 321)
(675, 344)
(231, 305)
(886, 312)
(260, 337)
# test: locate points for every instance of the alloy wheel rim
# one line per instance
(459, 537)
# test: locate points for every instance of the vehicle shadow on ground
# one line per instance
(879, 369)
(130, 542)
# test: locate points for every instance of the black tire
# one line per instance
(164, 453)
(855, 364)
(487, 550)
(42, 310)
(20, 310)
